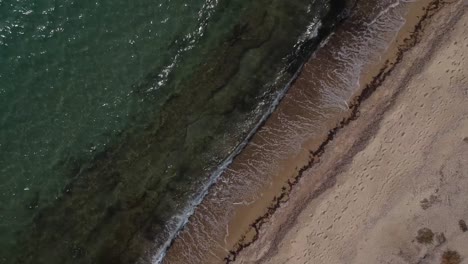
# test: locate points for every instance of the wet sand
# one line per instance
(390, 186)
(261, 180)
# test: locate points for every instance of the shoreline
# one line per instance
(208, 208)
(297, 58)
(127, 191)
(284, 227)
(354, 106)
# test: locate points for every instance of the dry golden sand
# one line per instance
(400, 167)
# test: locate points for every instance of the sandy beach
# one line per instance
(390, 186)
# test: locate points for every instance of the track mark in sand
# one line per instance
(451, 257)
(425, 236)
(427, 203)
(315, 155)
(463, 226)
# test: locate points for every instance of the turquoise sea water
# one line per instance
(114, 113)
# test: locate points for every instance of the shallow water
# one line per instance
(114, 114)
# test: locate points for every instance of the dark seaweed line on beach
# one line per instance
(388, 67)
(370, 130)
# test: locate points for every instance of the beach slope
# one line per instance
(392, 185)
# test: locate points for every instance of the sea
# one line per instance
(117, 116)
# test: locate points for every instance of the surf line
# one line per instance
(387, 68)
(183, 218)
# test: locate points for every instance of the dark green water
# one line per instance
(114, 113)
